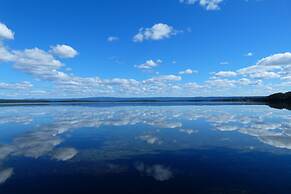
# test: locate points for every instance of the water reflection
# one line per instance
(89, 134)
(5, 174)
(158, 172)
(64, 154)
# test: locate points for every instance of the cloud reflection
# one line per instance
(157, 171)
(64, 154)
(5, 174)
(50, 125)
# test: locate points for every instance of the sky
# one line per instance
(144, 48)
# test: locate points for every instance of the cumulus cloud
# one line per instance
(5, 55)
(193, 86)
(225, 74)
(156, 32)
(224, 83)
(271, 67)
(149, 64)
(207, 4)
(221, 83)
(5, 32)
(16, 86)
(245, 81)
(45, 66)
(188, 71)
(277, 66)
(35, 57)
(38, 63)
(64, 51)
(256, 70)
(164, 78)
(35, 61)
(276, 60)
(265, 75)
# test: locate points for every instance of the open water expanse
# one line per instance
(145, 149)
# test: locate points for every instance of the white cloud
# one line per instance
(35, 61)
(5, 55)
(279, 59)
(112, 39)
(156, 32)
(223, 74)
(16, 86)
(220, 83)
(188, 71)
(164, 78)
(193, 86)
(149, 64)
(207, 4)
(38, 63)
(245, 82)
(5, 32)
(223, 84)
(257, 69)
(271, 67)
(35, 57)
(288, 78)
(44, 66)
(64, 51)
(265, 75)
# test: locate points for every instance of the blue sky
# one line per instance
(53, 48)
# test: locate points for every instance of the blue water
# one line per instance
(145, 149)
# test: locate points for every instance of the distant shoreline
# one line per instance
(137, 100)
(278, 100)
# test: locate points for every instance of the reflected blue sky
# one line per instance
(86, 137)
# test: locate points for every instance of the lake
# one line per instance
(145, 149)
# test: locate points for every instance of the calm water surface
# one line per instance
(135, 149)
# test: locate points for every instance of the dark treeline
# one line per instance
(278, 100)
